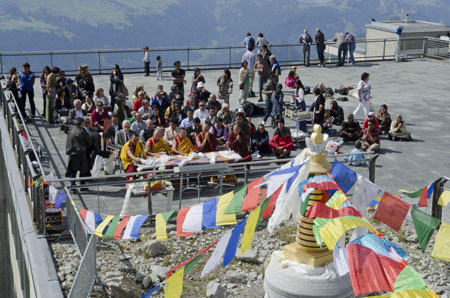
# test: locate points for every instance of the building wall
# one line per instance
(376, 48)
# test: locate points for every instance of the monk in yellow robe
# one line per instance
(181, 144)
(131, 153)
(156, 145)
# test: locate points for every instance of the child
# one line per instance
(158, 68)
(355, 160)
(290, 80)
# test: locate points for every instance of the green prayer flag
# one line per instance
(192, 263)
(263, 208)
(169, 214)
(425, 225)
(236, 202)
(408, 279)
(113, 226)
(304, 206)
(412, 195)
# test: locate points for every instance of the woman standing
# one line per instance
(244, 82)
(43, 81)
(197, 78)
(225, 84)
(277, 104)
(116, 80)
(363, 95)
(51, 85)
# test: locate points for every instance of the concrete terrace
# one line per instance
(417, 89)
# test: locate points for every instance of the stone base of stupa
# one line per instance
(285, 278)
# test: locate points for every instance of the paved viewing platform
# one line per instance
(417, 89)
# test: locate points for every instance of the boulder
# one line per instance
(250, 256)
(236, 277)
(215, 290)
(153, 248)
(120, 286)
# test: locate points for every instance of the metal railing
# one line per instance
(436, 48)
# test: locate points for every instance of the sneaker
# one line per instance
(260, 100)
(258, 155)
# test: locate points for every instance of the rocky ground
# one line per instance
(130, 268)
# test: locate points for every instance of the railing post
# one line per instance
(436, 209)
(1, 63)
(289, 53)
(51, 59)
(384, 48)
(425, 47)
(188, 60)
(99, 62)
(229, 57)
(372, 168)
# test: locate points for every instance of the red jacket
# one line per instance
(99, 117)
(278, 141)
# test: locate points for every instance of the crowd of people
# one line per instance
(197, 120)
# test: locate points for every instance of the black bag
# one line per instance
(307, 90)
(251, 43)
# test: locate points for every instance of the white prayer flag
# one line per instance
(218, 253)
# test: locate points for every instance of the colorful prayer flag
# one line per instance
(133, 227)
(408, 279)
(113, 226)
(441, 249)
(444, 199)
(321, 182)
(174, 284)
(343, 175)
(410, 294)
(320, 209)
(271, 204)
(181, 216)
(223, 219)
(251, 199)
(391, 211)
(60, 197)
(425, 225)
(423, 194)
(217, 254)
(230, 251)
(235, 205)
(336, 200)
(120, 227)
(89, 220)
(102, 226)
(209, 214)
(249, 230)
(193, 220)
(340, 261)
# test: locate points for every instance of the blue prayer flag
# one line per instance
(209, 214)
(343, 175)
(230, 251)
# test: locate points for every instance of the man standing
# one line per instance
(305, 41)
(146, 62)
(320, 46)
(26, 83)
(263, 73)
(77, 144)
(249, 41)
(178, 76)
(351, 47)
(250, 57)
(341, 43)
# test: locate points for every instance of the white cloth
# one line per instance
(202, 115)
(218, 253)
(146, 57)
(250, 57)
(340, 261)
(193, 220)
(126, 202)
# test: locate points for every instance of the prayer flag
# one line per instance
(336, 200)
(343, 175)
(120, 227)
(321, 182)
(52, 193)
(98, 219)
(410, 294)
(161, 220)
(391, 211)
(193, 220)
(89, 220)
(217, 255)
(209, 214)
(133, 227)
(174, 284)
(102, 226)
(272, 201)
(320, 209)
(236, 203)
(278, 177)
(408, 279)
(365, 192)
(112, 226)
(223, 219)
(340, 261)
(441, 249)
(149, 293)
(251, 199)
(60, 197)
(181, 216)
(192, 263)
(249, 230)
(444, 199)
(425, 225)
(230, 251)
(423, 194)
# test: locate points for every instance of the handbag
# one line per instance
(122, 90)
(241, 86)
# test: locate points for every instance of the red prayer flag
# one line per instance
(181, 216)
(273, 199)
(371, 272)
(391, 211)
(423, 201)
(83, 213)
(319, 209)
(251, 198)
(122, 224)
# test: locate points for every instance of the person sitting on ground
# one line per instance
(62, 100)
(158, 117)
(156, 145)
(122, 110)
(139, 101)
(182, 144)
(220, 132)
(290, 79)
(100, 96)
(280, 126)
(99, 115)
(398, 131)
(136, 92)
(202, 113)
(189, 120)
(171, 132)
(88, 105)
(357, 159)
(205, 141)
(178, 114)
(114, 127)
(160, 101)
(213, 103)
(139, 124)
(350, 130)
(281, 144)
(337, 112)
(194, 130)
(76, 112)
(147, 133)
(238, 142)
(370, 116)
(371, 137)
(201, 93)
(165, 96)
(260, 141)
(145, 111)
(226, 115)
(123, 135)
(132, 153)
(384, 119)
(191, 104)
(328, 124)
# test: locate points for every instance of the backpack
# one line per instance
(251, 43)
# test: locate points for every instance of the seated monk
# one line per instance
(156, 145)
(281, 144)
(181, 144)
(238, 142)
(205, 141)
(131, 153)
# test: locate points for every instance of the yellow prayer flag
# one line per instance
(441, 249)
(161, 227)
(334, 230)
(444, 199)
(102, 226)
(249, 230)
(410, 294)
(223, 219)
(174, 285)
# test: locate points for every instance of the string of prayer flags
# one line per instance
(251, 199)
(133, 226)
(152, 291)
(444, 199)
(249, 231)
(336, 200)
(55, 196)
(276, 178)
(181, 217)
(209, 214)
(441, 249)
(344, 177)
(89, 219)
(223, 219)
(174, 284)
(423, 194)
(391, 211)
(101, 227)
(267, 211)
(425, 225)
(161, 220)
(235, 205)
